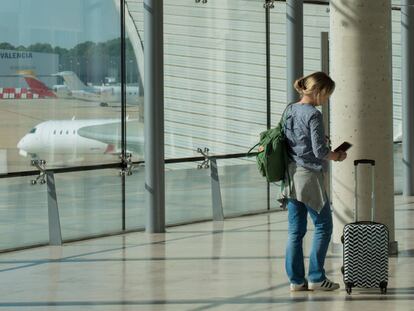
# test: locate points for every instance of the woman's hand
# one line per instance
(337, 156)
(261, 148)
(341, 155)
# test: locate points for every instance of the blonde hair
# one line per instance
(317, 84)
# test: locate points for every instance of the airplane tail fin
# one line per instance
(38, 87)
(72, 80)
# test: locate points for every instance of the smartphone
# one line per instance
(343, 147)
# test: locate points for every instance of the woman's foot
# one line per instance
(325, 285)
(299, 287)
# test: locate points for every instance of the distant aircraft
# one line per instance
(103, 94)
(73, 139)
(37, 89)
(61, 91)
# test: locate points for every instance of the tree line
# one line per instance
(91, 61)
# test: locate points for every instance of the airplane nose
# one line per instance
(20, 144)
(25, 143)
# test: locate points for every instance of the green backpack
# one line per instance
(272, 162)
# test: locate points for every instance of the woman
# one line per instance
(308, 155)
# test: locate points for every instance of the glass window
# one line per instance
(215, 76)
(57, 57)
(243, 189)
(89, 203)
(135, 199)
(60, 63)
(23, 213)
(183, 205)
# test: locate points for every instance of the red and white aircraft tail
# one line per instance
(38, 87)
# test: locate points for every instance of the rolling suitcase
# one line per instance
(365, 255)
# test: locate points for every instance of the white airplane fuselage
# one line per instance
(106, 94)
(52, 138)
(98, 93)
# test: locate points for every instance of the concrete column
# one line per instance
(154, 115)
(407, 84)
(361, 108)
(294, 57)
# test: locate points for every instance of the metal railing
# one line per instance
(43, 175)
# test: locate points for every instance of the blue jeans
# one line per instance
(297, 215)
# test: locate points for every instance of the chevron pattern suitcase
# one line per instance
(365, 248)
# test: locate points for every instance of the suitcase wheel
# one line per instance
(348, 287)
(383, 287)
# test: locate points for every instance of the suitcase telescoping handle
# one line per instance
(356, 163)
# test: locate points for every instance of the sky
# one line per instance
(63, 23)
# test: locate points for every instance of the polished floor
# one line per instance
(233, 265)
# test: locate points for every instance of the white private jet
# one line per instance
(73, 139)
(103, 94)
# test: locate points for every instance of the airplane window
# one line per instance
(54, 132)
(67, 132)
(33, 130)
(74, 132)
(61, 132)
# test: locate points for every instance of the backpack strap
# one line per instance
(282, 119)
(283, 184)
(249, 154)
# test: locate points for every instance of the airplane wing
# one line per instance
(111, 134)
